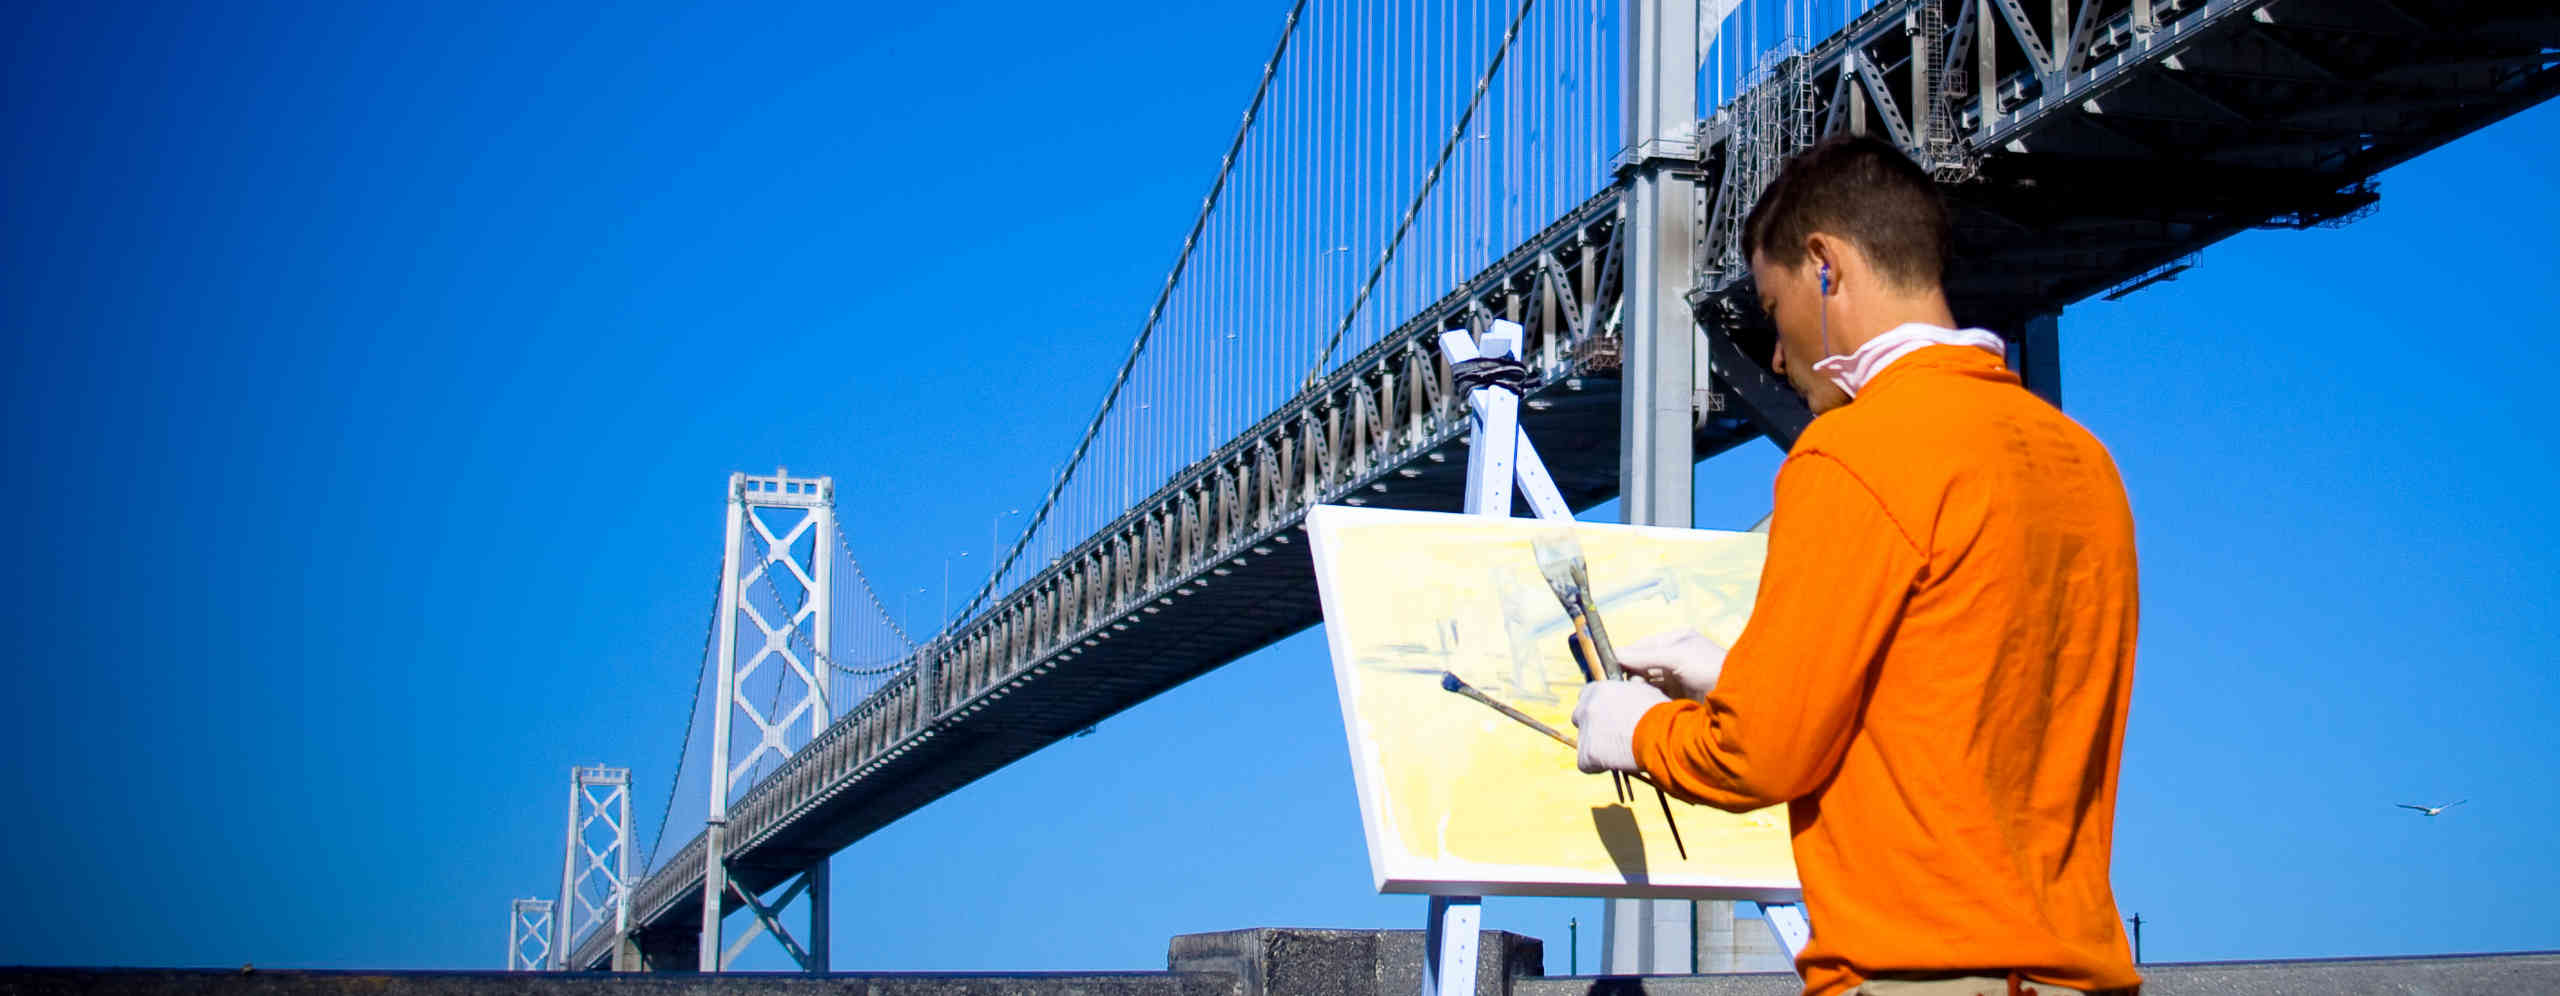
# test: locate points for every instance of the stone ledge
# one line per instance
(178, 982)
(1282, 962)
(1273, 961)
(2526, 972)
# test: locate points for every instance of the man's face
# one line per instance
(1792, 295)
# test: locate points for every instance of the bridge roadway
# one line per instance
(2101, 169)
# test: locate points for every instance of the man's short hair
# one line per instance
(1858, 188)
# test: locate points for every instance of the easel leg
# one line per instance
(1449, 946)
(1450, 938)
(1787, 921)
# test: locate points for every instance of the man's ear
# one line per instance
(1822, 253)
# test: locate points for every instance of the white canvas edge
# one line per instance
(1373, 813)
(1789, 893)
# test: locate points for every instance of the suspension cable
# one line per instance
(709, 628)
(868, 591)
(810, 642)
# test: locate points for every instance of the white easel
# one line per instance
(1450, 938)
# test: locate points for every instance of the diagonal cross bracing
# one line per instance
(814, 498)
(529, 935)
(595, 870)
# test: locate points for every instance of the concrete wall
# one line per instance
(1729, 943)
(1272, 962)
(1291, 962)
(148, 982)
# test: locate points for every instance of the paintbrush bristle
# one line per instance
(1559, 556)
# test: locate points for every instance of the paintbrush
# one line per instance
(1568, 575)
(1452, 682)
(1574, 644)
(1456, 684)
(1560, 561)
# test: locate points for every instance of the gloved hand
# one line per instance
(1606, 720)
(1684, 663)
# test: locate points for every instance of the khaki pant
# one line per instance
(1973, 985)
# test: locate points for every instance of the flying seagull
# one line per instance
(2432, 810)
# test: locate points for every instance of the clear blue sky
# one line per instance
(374, 373)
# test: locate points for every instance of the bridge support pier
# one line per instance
(2039, 349)
(715, 883)
(1657, 419)
(821, 923)
(1658, 347)
(811, 957)
(670, 951)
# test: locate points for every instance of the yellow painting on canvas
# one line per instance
(1455, 797)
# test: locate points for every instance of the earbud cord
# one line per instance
(1824, 310)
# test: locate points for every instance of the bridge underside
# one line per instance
(2132, 152)
(2279, 116)
(2107, 171)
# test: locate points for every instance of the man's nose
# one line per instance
(1778, 358)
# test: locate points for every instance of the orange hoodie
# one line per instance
(1935, 677)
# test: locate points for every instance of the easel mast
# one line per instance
(1450, 937)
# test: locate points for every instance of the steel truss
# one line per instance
(799, 692)
(2085, 143)
(583, 863)
(529, 922)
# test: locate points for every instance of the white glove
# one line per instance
(1684, 663)
(1606, 718)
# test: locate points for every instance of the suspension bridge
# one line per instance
(1404, 167)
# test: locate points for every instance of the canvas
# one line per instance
(1456, 798)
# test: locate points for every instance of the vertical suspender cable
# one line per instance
(1429, 180)
(1083, 444)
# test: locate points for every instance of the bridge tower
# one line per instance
(529, 922)
(805, 508)
(596, 859)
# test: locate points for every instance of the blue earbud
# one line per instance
(1825, 310)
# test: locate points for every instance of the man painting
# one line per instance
(1936, 673)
